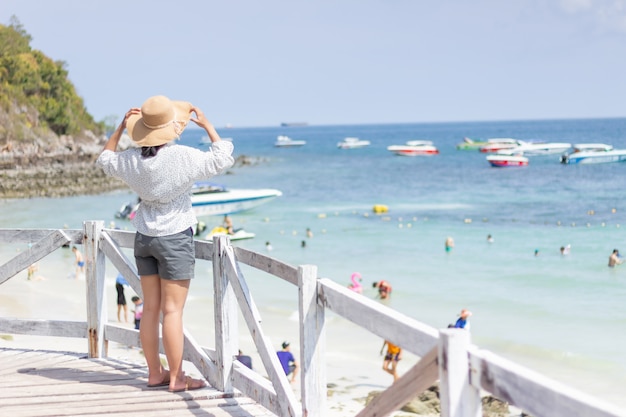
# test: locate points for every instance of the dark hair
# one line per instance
(150, 151)
(374, 284)
(135, 298)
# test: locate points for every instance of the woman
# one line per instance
(162, 173)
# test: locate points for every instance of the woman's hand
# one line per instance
(134, 110)
(204, 123)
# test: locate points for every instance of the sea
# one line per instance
(561, 315)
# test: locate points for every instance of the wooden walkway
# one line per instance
(47, 383)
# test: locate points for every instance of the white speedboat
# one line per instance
(414, 148)
(353, 143)
(209, 199)
(538, 148)
(498, 144)
(239, 234)
(501, 160)
(285, 142)
(593, 153)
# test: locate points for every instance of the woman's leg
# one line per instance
(149, 329)
(174, 296)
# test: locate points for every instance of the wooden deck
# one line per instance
(48, 383)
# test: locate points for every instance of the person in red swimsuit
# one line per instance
(384, 289)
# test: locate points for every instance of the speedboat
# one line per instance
(538, 148)
(470, 144)
(498, 144)
(285, 142)
(593, 153)
(210, 199)
(239, 234)
(501, 160)
(352, 143)
(414, 148)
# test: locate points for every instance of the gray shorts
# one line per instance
(171, 257)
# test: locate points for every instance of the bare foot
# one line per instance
(161, 381)
(188, 385)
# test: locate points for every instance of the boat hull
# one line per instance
(230, 201)
(504, 161)
(583, 158)
(287, 142)
(413, 150)
(353, 143)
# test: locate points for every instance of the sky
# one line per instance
(250, 63)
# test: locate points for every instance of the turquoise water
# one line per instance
(561, 315)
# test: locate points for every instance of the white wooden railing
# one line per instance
(447, 355)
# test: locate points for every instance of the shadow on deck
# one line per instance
(46, 383)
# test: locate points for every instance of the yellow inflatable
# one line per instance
(380, 208)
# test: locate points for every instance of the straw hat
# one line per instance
(161, 120)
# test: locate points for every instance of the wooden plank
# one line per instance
(458, 397)
(57, 328)
(312, 343)
(267, 264)
(287, 404)
(34, 235)
(35, 252)
(415, 381)
(121, 262)
(195, 354)
(95, 262)
(225, 317)
(204, 249)
(122, 238)
(533, 392)
(122, 335)
(378, 319)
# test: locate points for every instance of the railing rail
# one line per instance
(446, 355)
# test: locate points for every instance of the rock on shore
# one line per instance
(54, 167)
(62, 168)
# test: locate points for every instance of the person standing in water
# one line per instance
(615, 258)
(449, 244)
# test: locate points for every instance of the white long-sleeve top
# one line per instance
(164, 181)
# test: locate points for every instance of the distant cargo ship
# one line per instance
(292, 124)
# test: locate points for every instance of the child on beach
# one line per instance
(138, 311)
(80, 262)
(392, 356)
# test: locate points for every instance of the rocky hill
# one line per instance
(48, 140)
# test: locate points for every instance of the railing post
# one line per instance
(226, 318)
(312, 344)
(96, 297)
(458, 397)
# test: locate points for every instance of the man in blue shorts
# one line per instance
(289, 363)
